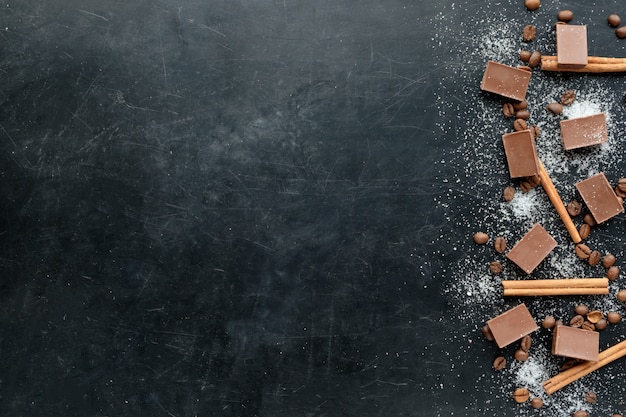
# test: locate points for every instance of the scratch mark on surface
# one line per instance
(212, 29)
(93, 14)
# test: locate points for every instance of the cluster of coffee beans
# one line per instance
(583, 318)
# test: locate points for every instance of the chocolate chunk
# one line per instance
(512, 325)
(571, 46)
(521, 153)
(584, 131)
(532, 248)
(576, 343)
(599, 197)
(505, 80)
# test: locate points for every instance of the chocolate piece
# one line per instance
(576, 343)
(521, 154)
(505, 80)
(599, 197)
(584, 131)
(532, 248)
(512, 325)
(571, 46)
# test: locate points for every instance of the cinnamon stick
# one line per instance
(554, 197)
(557, 283)
(538, 292)
(595, 64)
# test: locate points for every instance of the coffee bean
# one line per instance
(520, 355)
(568, 97)
(521, 395)
(523, 114)
(480, 238)
(621, 296)
(574, 208)
(621, 32)
(577, 321)
(569, 363)
(486, 331)
(558, 323)
(508, 110)
(601, 324)
(526, 342)
(580, 413)
(588, 219)
(499, 363)
(584, 231)
(520, 124)
(582, 251)
(565, 15)
(535, 130)
(581, 309)
(549, 321)
(556, 108)
(499, 244)
(520, 105)
(612, 273)
(594, 316)
(536, 403)
(535, 59)
(591, 397)
(524, 56)
(525, 68)
(525, 186)
(534, 181)
(588, 325)
(620, 188)
(528, 33)
(495, 267)
(613, 317)
(616, 415)
(594, 258)
(614, 20)
(608, 260)
(532, 4)
(508, 194)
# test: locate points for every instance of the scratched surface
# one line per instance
(225, 208)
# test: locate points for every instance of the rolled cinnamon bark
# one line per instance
(595, 64)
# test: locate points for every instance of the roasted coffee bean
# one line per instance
(535, 59)
(525, 186)
(532, 4)
(520, 124)
(577, 321)
(520, 105)
(508, 110)
(508, 194)
(594, 316)
(521, 395)
(486, 331)
(612, 273)
(550, 321)
(528, 33)
(594, 258)
(526, 342)
(620, 32)
(620, 188)
(556, 108)
(614, 20)
(591, 397)
(520, 355)
(525, 68)
(584, 231)
(601, 324)
(499, 363)
(499, 244)
(565, 15)
(480, 238)
(523, 114)
(581, 309)
(621, 296)
(524, 56)
(534, 181)
(495, 267)
(616, 415)
(613, 317)
(608, 260)
(580, 413)
(535, 130)
(568, 97)
(536, 403)
(587, 325)
(574, 208)
(588, 219)
(582, 251)
(569, 363)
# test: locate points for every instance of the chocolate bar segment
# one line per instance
(521, 154)
(599, 197)
(532, 248)
(584, 131)
(506, 81)
(576, 343)
(571, 46)
(512, 325)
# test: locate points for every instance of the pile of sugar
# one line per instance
(475, 173)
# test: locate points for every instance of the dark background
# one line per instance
(228, 208)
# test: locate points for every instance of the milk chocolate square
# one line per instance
(521, 154)
(532, 248)
(571, 46)
(584, 131)
(506, 81)
(576, 343)
(599, 197)
(512, 325)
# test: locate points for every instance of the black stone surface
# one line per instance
(225, 208)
